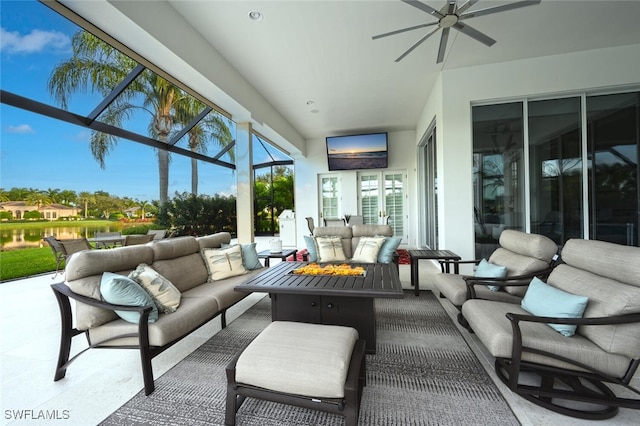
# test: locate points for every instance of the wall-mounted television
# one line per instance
(353, 152)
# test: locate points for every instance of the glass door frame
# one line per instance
(382, 207)
(428, 189)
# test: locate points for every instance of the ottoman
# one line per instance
(316, 366)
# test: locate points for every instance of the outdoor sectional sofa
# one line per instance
(350, 237)
(180, 261)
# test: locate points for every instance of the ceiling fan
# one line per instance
(451, 16)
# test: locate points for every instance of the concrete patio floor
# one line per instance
(100, 381)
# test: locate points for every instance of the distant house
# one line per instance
(132, 212)
(51, 212)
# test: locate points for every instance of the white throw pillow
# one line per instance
(223, 263)
(330, 249)
(164, 293)
(367, 249)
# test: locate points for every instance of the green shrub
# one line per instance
(199, 215)
(140, 229)
(33, 214)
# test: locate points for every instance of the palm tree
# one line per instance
(53, 194)
(67, 197)
(97, 66)
(39, 199)
(86, 198)
(213, 127)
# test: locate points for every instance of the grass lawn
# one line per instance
(26, 262)
(33, 261)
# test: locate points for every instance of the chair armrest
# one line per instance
(64, 289)
(511, 281)
(458, 262)
(612, 320)
(518, 348)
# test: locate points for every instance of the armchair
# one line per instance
(524, 255)
(63, 249)
(568, 375)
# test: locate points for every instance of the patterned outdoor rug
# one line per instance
(422, 374)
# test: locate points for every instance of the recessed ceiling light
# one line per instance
(254, 15)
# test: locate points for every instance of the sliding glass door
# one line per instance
(580, 177)
(555, 168)
(498, 173)
(613, 128)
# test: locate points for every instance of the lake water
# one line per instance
(15, 239)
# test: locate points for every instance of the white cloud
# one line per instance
(35, 41)
(21, 128)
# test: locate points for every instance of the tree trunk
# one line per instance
(163, 175)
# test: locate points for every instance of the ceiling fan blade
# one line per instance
(450, 7)
(473, 33)
(423, 7)
(375, 37)
(418, 43)
(443, 45)
(466, 6)
(497, 9)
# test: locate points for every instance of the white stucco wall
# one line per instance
(402, 157)
(594, 71)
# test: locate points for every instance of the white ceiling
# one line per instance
(322, 51)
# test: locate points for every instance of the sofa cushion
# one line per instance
(193, 312)
(530, 245)
(517, 264)
(299, 358)
(184, 272)
(388, 249)
(222, 291)
(170, 248)
(544, 300)
(164, 294)
(489, 270)
(121, 290)
(223, 263)
(214, 240)
(493, 329)
(367, 249)
(330, 249)
(84, 273)
(607, 297)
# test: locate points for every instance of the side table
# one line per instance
(416, 255)
(267, 254)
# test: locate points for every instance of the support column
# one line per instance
(244, 182)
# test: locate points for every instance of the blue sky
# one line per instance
(42, 153)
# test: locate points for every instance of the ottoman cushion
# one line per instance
(299, 358)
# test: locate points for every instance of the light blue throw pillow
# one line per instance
(544, 300)
(250, 258)
(490, 270)
(389, 247)
(310, 242)
(121, 290)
